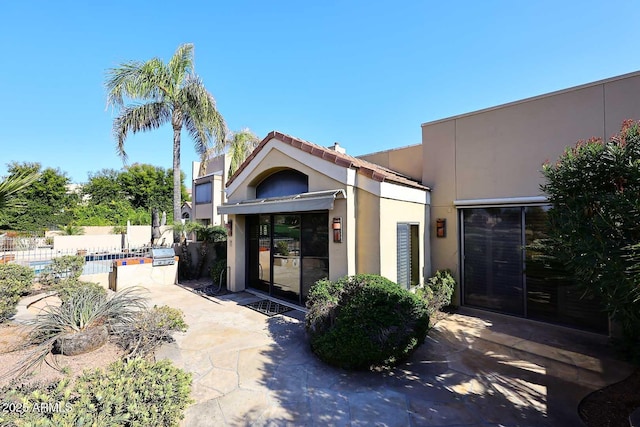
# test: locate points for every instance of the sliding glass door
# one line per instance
(502, 271)
(493, 259)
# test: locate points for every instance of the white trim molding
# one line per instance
(513, 201)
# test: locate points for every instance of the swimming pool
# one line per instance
(90, 267)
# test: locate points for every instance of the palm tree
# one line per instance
(172, 93)
(12, 185)
(240, 145)
(71, 230)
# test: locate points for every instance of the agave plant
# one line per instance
(85, 309)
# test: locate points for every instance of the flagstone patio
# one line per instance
(250, 369)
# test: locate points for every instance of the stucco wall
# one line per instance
(406, 160)
(499, 152)
(368, 233)
(145, 275)
(391, 213)
(236, 255)
(102, 238)
(342, 261)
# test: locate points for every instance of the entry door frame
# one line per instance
(268, 282)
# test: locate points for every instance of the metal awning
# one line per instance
(304, 202)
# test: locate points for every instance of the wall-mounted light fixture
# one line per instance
(336, 225)
(441, 227)
(229, 226)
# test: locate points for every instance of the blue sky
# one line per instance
(364, 73)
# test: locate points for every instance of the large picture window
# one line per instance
(502, 272)
(203, 193)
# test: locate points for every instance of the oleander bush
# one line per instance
(593, 224)
(15, 281)
(134, 393)
(364, 321)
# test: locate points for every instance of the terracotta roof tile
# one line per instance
(363, 167)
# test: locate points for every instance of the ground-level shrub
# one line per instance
(85, 318)
(63, 268)
(134, 393)
(363, 321)
(66, 288)
(438, 290)
(15, 281)
(150, 329)
(218, 269)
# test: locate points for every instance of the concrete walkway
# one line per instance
(250, 369)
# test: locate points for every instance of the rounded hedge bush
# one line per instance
(15, 281)
(364, 321)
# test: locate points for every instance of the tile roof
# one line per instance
(363, 167)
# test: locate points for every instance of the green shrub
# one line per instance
(364, 321)
(150, 329)
(438, 291)
(282, 248)
(66, 288)
(66, 267)
(593, 223)
(135, 393)
(218, 269)
(15, 281)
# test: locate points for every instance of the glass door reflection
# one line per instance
(286, 256)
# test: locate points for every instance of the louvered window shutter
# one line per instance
(403, 258)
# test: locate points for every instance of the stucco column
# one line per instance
(236, 258)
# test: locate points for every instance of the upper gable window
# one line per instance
(283, 183)
(203, 193)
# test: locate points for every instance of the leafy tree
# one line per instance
(170, 93)
(115, 212)
(240, 144)
(129, 194)
(46, 199)
(103, 187)
(148, 187)
(594, 189)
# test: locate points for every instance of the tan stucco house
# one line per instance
(467, 198)
(299, 212)
(483, 169)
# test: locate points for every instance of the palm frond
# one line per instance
(181, 64)
(240, 145)
(12, 185)
(135, 118)
(137, 80)
(203, 121)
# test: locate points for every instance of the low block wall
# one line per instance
(103, 279)
(140, 272)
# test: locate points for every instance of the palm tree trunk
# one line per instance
(176, 121)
